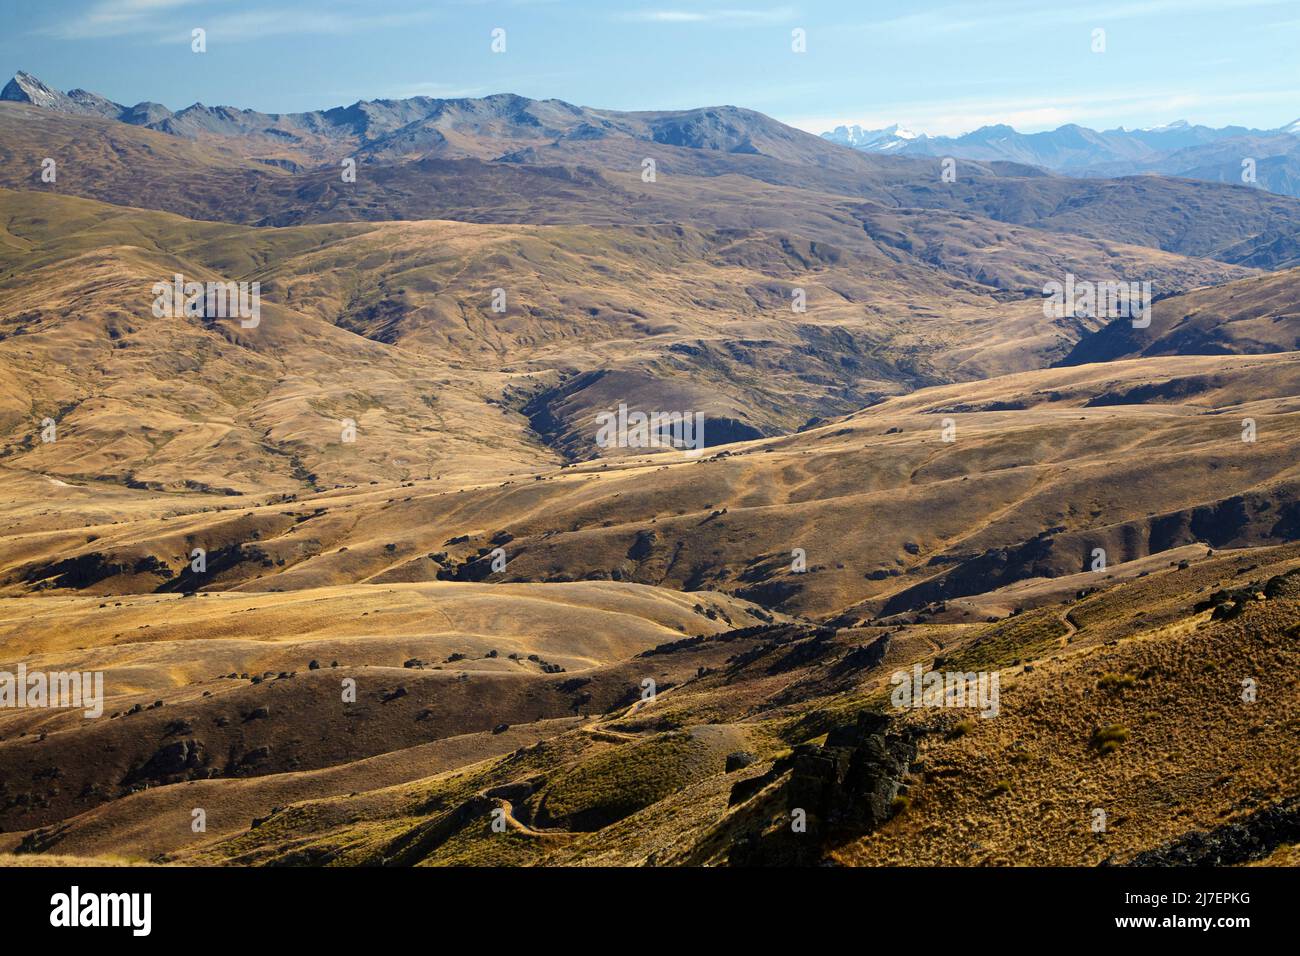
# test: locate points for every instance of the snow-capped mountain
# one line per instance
(887, 140)
(1179, 148)
(1066, 147)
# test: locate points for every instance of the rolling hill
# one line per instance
(364, 585)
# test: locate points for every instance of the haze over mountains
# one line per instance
(1176, 149)
(395, 479)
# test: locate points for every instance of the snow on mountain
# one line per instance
(885, 140)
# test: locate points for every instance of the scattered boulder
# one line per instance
(739, 760)
(170, 760)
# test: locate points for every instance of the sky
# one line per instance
(935, 66)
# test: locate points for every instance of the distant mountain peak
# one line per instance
(901, 132)
(25, 88)
(1180, 148)
(487, 127)
(871, 140)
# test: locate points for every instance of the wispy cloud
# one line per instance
(161, 20)
(438, 91)
(721, 16)
(1030, 16)
(112, 18)
(260, 24)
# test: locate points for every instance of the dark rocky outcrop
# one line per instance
(851, 781)
(863, 658)
(845, 787)
(170, 761)
(1252, 838)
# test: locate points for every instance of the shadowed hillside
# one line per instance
(366, 584)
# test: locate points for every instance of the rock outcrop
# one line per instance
(1251, 838)
(845, 787)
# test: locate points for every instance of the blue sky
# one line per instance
(936, 66)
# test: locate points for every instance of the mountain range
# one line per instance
(1177, 149)
(491, 127)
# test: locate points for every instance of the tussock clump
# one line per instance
(1116, 683)
(1106, 740)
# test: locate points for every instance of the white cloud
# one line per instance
(158, 20)
(258, 24)
(438, 91)
(1032, 16)
(732, 16)
(110, 18)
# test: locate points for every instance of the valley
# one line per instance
(367, 588)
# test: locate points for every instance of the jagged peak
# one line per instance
(26, 88)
